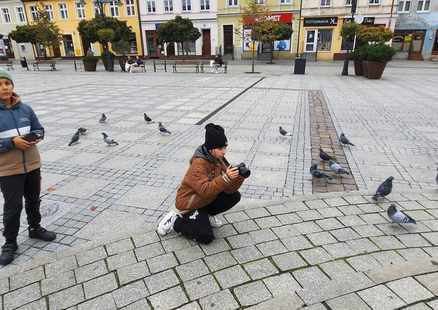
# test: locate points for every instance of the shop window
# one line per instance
(347, 2)
(168, 6)
(404, 6)
(374, 2)
(151, 6)
(325, 3)
(233, 2)
(423, 6)
(186, 5)
(188, 48)
(6, 15)
(325, 40)
(21, 17)
(132, 43)
(130, 10)
(205, 5)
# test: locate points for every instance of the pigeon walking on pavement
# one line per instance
(384, 189)
(399, 217)
(337, 168)
(82, 131)
(436, 178)
(74, 139)
(316, 173)
(282, 131)
(103, 118)
(324, 156)
(147, 119)
(108, 140)
(344, 140)
(163, 129)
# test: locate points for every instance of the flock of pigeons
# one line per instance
(109, 141)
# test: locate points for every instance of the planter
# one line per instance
(358, 67)
(90, 64)
(375, 69)
(300, 66)
(365, 68)
(108, 62)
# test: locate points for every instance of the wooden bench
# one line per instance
(7, 63)
(186, 64)
(50, 64)
(160, 65)
(210, 64)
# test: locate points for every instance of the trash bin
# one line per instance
(300, 66)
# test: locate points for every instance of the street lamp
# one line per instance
(347, 60)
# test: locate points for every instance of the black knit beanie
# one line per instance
(214, 137)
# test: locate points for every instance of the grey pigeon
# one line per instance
(315, 172)
(344, 140)
(282, 131)
(162, 129)
(436, 178)
(82, 131)
(147, 119)
(337, 168)
(108, 140)
(384, 189)
(74, 139)
(103, 118)
(324, 156)
(397, 216)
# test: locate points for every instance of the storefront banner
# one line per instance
(365, 21)
(320, 21)
(283, 45)
(278, 17)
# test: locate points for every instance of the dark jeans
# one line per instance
(196, 224)
(14, 188)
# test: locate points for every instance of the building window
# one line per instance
(188, 48)
(404, 6)
(6, 15)
(132, 43)
(325, 3)
(186, 5)
(130, 11)
(168, 6)
(423, 6)
(347, 2)
(21, 17)
(151, 6)
(325, 39)
(114, 8)
(80, 9)
(205, 5)
(285, 1)
(49, 11)
(63, 11)
(97, 10)
(374, 2)
(34, 13)
(260, 1)
(233, 2)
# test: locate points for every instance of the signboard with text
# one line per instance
(320, 21)
(278, 17)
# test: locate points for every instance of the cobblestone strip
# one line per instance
(323, 135)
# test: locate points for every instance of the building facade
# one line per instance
(234, 37)
(12, 14)
(416, 31)
(322, 21)
(202, 13)
(67, 14)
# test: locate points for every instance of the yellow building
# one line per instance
(67, 14)
(234, 39)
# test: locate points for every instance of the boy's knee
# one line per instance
(205, 239)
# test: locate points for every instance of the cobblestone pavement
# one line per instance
(327, 252)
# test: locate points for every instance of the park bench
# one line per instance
(186, 64)
(160, 65)
(210, 64)
(7, 63)
(38, 64)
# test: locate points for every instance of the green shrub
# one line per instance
(379, 52)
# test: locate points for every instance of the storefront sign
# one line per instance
(320, 21)
(278, 17)
(365, 21)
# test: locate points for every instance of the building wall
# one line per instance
(19, 49)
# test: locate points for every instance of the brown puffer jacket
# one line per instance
(203, 181)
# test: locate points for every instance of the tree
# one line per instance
(42, 32)
(178, 30)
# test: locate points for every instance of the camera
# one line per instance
(243, 170)
(30, 137)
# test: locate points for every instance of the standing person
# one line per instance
(210, 186)
(20, 164)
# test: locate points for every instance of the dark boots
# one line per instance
(41, 234)
(8, 250)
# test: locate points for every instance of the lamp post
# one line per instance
(347, 60)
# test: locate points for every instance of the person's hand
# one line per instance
(22, 144)
(232, 172)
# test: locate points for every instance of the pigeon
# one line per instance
(337, 168)
(103, 118)
(324, 156)
(74, 139)
(315, 172)
(162, 129)
(82, 131)
(108, 140)
(344, 140)
(384, 189)
(436, 178)
(147, 119)
(399, 217)
(282, 131)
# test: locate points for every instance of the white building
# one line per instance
(12, 14)
(202, 13)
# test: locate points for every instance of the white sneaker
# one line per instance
(215, 222)
(166, 224)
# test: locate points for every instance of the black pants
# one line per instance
(196, 224)
(14, 188)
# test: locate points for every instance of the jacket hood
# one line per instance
(15, 102)
(202, 152)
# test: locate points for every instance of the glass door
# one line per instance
(311, 41)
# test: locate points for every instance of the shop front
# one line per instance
(409, 43)
(319, 38)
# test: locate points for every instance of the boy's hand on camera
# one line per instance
(22, 144)
(232, 172)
